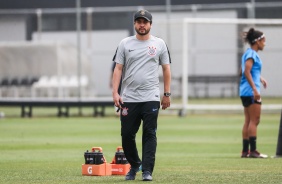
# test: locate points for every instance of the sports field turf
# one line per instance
(193, 149)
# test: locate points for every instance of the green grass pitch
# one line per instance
(194, 149)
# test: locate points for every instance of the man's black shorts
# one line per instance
(249, 100)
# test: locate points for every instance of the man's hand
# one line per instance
(165, 102)
(117, 100)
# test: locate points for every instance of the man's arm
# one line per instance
(112, 73)
(115, 82)
(167, 80)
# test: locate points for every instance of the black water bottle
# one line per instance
(99, 158)
(120, 156)
(86, 157)
(123, 159)
(89, 157)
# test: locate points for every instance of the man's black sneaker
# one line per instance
(146, 176)
(132, 173)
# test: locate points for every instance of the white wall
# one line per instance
(12, 28)
(202, 40)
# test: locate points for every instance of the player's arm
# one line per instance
(167, 80)
(263, 81)
(248, 66)
(115, 82)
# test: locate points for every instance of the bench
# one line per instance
(204, 83)
(15, 86)
(221, 82)
(63, 105)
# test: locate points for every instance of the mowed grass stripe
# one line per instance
(192, 149)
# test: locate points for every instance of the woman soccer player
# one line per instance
(250, 91)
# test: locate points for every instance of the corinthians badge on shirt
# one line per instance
(152, 51)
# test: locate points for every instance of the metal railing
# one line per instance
(161, 8)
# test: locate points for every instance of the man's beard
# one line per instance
(142, 33)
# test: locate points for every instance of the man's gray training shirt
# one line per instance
(141, 60)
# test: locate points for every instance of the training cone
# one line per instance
(279, 142)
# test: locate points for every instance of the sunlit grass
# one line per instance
(191, 149)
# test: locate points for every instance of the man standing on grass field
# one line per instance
(137, 60)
